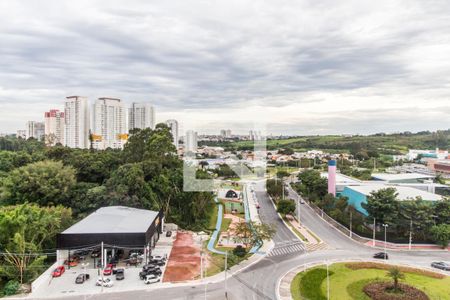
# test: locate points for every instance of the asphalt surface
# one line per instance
(259, 281)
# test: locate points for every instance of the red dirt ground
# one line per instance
(184, 260)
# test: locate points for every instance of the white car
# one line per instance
(106, 282)
(157, 257)
(151, 279)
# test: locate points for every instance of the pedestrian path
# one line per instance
(315, 247)
(287, 248)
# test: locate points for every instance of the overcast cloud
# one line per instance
(301, 67)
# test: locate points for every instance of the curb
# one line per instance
(305, 267)
(363, 244)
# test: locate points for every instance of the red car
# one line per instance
(58, 271)
(108, 270)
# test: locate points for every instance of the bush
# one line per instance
(383, 291)
(11, 288)
(286, 207)
(239, 251)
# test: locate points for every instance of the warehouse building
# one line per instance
(358, 194)
(115, 226)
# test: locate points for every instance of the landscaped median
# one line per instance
(358, 280)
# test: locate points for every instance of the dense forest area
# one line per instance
(43, 190)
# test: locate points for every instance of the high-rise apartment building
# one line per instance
(35, 130)
(173, 125)
(21, 133)
(141, 115)
(190, 141)
(109, 130)
(54, 127)
(76, 114)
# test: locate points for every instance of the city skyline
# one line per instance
(359, 68)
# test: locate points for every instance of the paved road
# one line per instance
(259, 281)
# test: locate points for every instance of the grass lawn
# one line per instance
(346, 283)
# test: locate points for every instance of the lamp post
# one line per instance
(374, 227)
(226, 270)
(385, 239)
(351, 216)
(410, 235)
(328, 283)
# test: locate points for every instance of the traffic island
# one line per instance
(363, 280)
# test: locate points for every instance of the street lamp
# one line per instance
(385, 240)
(328, 283)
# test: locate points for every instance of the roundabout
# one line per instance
(365, 280)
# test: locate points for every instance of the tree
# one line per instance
(441, 234)
(396, 275)
(274, 188)
(442, 211)
(312, 185)
(251, 233)
(25, 230)
(44, 183)
(383, 206)
(285, 207)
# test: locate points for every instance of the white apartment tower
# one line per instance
(54, 127)
(173, 126)
(76, 113)
(109, 130)
(141, 115)
(35, 130)
(190, 141)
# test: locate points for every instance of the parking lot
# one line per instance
(65, 284)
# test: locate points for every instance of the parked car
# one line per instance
(381, 255)
(441, 265)
(158, 262)
(157, 257)
(133, 261)
(150, 271)
(108, 270)
(120, 274)
(169, 233)
(81, 278)
(58, 271)
(95, 253)
(151, 279)
(106, 282)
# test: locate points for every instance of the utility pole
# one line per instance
(226, 271)
(374, 226)
(385, 240)
(299, 214)
(102, 264)
(328, 283)
(410, 235)
(351, 216)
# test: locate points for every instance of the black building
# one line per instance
(115, 226)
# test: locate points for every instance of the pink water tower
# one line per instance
(332, 177)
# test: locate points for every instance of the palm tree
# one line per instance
(395, 274)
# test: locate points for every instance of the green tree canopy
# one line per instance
(383, 206)
(44, 183)
(286, 207)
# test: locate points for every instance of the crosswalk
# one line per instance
(288, 247)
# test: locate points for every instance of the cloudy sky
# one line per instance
(294, 67)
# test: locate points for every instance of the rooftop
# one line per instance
(400, 176)
(115, 219)
(341, 178)
(404, 192)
